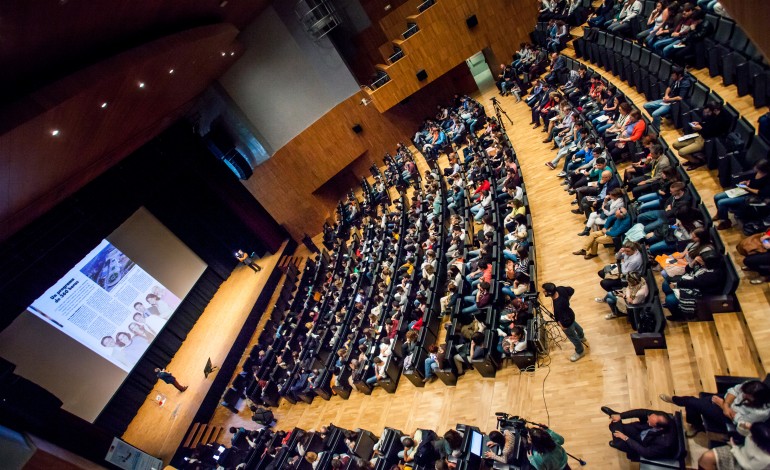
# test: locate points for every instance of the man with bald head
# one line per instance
(590, 201)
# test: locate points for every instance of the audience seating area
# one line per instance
(432, 275)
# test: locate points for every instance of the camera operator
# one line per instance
(565, 316)
(545, 450)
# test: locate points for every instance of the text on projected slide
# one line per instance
(109, 304)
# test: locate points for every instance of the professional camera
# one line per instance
(513, 423)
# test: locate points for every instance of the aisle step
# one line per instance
(681, 358)
(637, 382)
(735, 346)
(708, 353)
(659, 379)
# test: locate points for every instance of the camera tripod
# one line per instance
(499, 113)
(546, 320)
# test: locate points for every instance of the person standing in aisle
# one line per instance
(565, 317)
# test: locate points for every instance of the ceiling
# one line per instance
(87, 82)
(44, 40)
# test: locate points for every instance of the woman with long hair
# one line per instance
(545, 451)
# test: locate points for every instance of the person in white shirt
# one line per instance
(754, 454)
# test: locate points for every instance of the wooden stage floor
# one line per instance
(160, 430)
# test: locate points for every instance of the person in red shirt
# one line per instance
(634, 131)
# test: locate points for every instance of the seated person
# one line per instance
(666, 216)
(481, 299)
(634, 130)
(706, 278)
(515, 343)
(757, 258)
(652, 436)
(614, 227)
(633, 295)
(466, 354)
(746, 403)
(753, 454)
(506, 441)
(628, 260)
(758, 185)
(716, 123)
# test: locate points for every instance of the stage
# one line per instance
(159, 429)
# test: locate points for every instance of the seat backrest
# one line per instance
(626, 50)
(610, 43)
(714, 96)
(731, 276)
(636, 52)
(738, 40)
(744, 128)
(664, 72)
(700, 93)
(716, 239)
(601, 38)
(724, 30)
(732, 112)
(644, 58)
(758, 150)
(654, 65)
(618, 46)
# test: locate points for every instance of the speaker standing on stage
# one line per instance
(169, 378)
(565, 316)
(248, 261)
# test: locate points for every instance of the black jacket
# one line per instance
(656, 444)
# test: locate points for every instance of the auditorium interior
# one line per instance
(336, 244)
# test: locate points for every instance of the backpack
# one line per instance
(426, 454)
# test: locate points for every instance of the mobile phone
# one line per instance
(741, 185)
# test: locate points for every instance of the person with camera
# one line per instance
(545, 450)
(565, 317)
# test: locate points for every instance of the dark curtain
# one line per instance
(191, 193)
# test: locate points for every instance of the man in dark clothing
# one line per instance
(566, 317)
(654, 218)
(169, 378)
(716, 123)
(558, 63)
(678, 89)
(653, 436)
(699, 31)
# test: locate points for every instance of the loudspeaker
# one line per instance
(358, 129)
(422, 75)
(472, 21)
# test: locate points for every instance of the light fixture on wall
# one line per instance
(365, 102)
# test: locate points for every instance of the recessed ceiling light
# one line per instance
(141, 84)
(223, 4)
(232, 53)
(223, 54)
(170, 70)
(55, 132)
(104, 105)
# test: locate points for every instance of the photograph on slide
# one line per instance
(109, 304)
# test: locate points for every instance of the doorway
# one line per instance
(479, 68)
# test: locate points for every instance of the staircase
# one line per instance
(202, 434)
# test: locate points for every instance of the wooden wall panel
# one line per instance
(444, 41)
(394, 23)
(752, 15)
(291, 185)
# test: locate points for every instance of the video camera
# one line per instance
(514, 423)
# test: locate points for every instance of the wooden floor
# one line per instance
(160, 430)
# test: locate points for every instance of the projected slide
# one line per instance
(109, 304)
